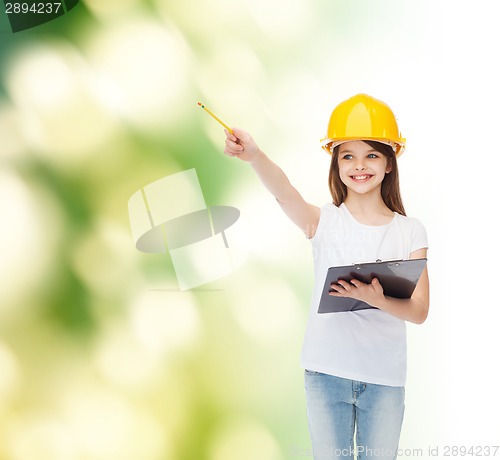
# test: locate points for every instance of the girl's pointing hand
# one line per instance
(240, 144)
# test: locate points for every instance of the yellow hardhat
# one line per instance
(363, 117)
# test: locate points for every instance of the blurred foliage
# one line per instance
(82, 323)
(101, 355)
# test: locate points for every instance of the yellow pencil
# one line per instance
(215, 117)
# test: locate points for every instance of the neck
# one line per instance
(367, 204)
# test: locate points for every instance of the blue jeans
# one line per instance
(336, 406)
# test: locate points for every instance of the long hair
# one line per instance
(390, 185)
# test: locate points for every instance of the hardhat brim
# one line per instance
(398, 147)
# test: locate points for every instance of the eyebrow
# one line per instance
(350, 151)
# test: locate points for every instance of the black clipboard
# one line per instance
(398, 278)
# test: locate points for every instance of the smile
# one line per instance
(361, 178)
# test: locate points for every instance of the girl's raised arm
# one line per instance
(305, 215)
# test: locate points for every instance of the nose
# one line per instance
(359, 165)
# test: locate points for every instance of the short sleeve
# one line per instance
(418, 236)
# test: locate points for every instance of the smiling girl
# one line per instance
(355, 362)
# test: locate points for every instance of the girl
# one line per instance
(355, 362)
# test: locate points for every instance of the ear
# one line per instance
(389, 167)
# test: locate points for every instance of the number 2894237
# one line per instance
(33, 8)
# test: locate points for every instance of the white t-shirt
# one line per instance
(365, 345)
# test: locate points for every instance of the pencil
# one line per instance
(215, 117)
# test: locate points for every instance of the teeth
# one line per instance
(360, 177)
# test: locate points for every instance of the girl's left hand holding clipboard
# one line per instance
(372, 293)
(414, 309)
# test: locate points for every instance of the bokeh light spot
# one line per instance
(244, 439)
(165, 321)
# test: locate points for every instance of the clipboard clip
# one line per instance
(394, 262)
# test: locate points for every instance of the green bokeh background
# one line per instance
(101, 355)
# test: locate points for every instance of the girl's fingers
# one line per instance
(337, 286)
(344, 284)
(338, 290)
(231, 145)
(232, 152)
(230, 136)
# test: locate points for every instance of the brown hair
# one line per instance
(390, 185)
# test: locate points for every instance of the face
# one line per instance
(361, 168)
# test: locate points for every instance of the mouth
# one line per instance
(361, 177)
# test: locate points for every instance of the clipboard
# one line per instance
(398, 278)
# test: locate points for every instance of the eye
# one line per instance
(347, 156)
(372, 155)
